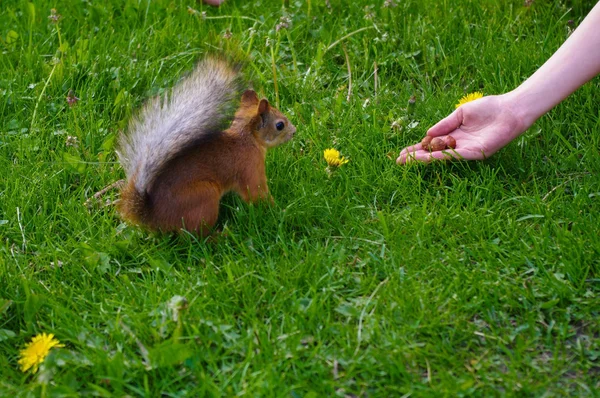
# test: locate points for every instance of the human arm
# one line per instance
(484, 126)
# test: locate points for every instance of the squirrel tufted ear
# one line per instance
(263, 106)
(250, 96)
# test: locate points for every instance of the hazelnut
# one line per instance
(425, 143)
(437, 144)
(450, 142)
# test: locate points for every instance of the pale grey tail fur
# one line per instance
(199, 105)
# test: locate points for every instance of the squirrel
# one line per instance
(179, 160)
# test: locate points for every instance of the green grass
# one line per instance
(477, 279)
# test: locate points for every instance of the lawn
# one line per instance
(372, 280)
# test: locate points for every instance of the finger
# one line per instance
(447, 125)
(411, 156)
(411, 148)
(427, 157)
(448, 154)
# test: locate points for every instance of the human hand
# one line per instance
(480, 128)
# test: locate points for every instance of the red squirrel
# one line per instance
(179, 160)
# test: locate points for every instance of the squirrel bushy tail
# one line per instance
(196, 109)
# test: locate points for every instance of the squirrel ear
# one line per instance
(263, 106)
(250, 96)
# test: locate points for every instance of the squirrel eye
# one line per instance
(280, 126)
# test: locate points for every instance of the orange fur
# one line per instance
(187, 191)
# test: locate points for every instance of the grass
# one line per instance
(476, 279)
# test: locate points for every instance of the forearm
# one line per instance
(572, 65)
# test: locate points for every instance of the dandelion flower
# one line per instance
(36, 351)
(469, 98)
(333, 158)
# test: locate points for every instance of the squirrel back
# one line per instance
(179, 159)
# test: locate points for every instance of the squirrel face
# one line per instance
(272, 127)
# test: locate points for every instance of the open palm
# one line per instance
(480, 128)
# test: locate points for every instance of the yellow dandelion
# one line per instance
(36, 351)
(333, 158)
(469, 98)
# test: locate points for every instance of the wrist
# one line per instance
(523, 106)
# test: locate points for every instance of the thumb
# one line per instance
(447, 125)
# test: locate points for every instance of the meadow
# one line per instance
(447, 279)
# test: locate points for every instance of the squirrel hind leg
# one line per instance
(195, 209)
